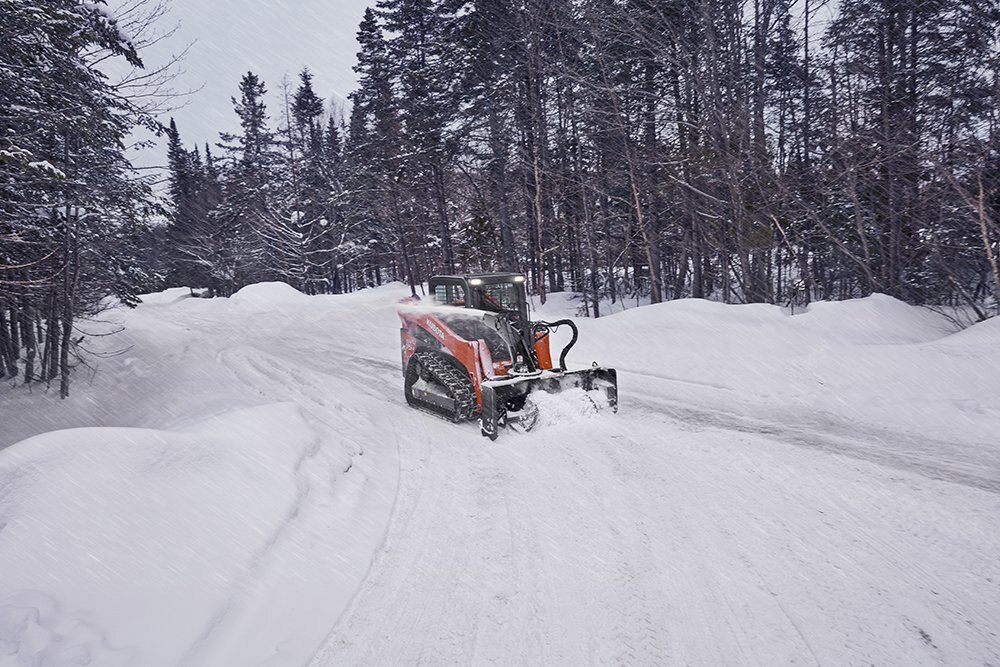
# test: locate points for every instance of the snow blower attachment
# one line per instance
(475, 354)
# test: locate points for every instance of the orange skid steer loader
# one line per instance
(475, 354)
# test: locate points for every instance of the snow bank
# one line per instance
(166, 297)
(893, 371)
(268, 296)
(980, 336)
(120, 546)
(876, 320)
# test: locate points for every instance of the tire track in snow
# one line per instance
(639, 637)
(586, 545)
(237, 596)
(723, 554)
(387, 605)
(669, 582)
(299, 383)
(921, 455)
(638, 633)
(340, 427)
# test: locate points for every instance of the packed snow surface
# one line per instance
(241, 482)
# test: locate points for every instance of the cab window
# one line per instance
(499, 296)
(449, 295)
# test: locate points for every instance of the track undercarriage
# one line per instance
(435, 384)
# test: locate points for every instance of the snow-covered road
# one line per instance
(608, 542)
(763, 497)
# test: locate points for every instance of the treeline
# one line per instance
(270, 207)
(742, 150)
(72, 211)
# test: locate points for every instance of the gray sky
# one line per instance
(272, 38)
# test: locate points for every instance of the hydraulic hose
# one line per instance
(572, 341)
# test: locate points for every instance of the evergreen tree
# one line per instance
(313, 200)
(423, 75)
(252, 240)
(376, 199)
(70, 207)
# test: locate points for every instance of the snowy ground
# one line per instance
(243, 484)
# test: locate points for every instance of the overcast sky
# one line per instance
(272, 38)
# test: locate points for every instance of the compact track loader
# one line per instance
(474, 354)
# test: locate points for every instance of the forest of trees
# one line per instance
(740, 150)
(774, 151)
(73, 214)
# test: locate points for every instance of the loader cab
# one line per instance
(493, 292)
(509, 334)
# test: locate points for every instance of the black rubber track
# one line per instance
(442, 371)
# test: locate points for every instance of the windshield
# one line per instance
(498, 297)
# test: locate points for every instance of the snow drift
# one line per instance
(121, 545)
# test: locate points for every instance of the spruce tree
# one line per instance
(70, 206)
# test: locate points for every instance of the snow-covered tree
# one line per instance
(71, 209)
